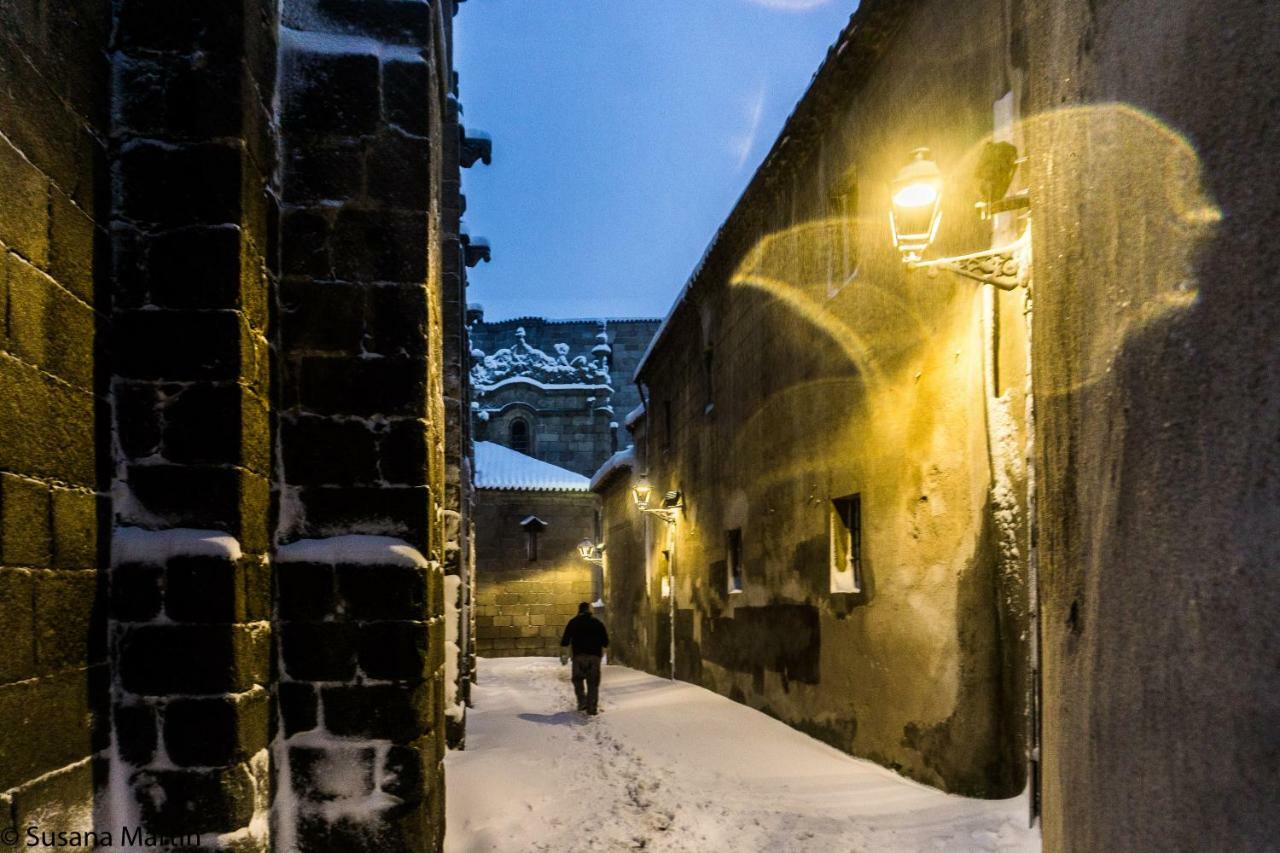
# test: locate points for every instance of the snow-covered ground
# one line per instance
(672, 767)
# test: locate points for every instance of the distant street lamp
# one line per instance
(916, 210)
(591, 552)
(672, 503)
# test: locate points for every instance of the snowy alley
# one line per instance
(673, 767)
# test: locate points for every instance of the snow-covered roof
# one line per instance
(499, 467)
(622, 459)
(634, 415)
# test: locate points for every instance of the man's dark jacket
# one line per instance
(586, 634)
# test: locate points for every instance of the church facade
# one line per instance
(556, 390)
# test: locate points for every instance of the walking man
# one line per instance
(587, 636)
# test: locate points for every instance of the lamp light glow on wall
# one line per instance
(672, 503)
(916, 211)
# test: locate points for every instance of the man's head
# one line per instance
(584, 608)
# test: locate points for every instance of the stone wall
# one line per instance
(54, 478)
(1156, 368)
(364, 98)
(805, 365)
(223, 421)
(190, 387)
(630, 605)
(458, 451)
(522, 605)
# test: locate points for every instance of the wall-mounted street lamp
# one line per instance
(672, 503)
(591, 552)
(916, 211)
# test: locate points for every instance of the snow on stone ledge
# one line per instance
(622, 459)
(353, 549)
(634, 415)
(499, 467)
(139, 545)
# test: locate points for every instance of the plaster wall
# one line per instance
(804, 364)
(1154, 134)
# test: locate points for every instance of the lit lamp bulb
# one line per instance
(916, 205)
(587, 549)
(641, 493)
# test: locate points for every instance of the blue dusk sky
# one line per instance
(624, 131)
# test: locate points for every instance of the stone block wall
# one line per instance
(458, 451)
(364, 94)
(360, 730)
(53, 485)
(224, 304)
(358, 324)
(521, 605)
(193, 204)
(568, 427)
(191, 699)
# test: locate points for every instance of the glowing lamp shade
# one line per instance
(642, 492)
(916, 205)
(586, 549)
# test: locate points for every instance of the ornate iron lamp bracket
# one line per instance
(1000, 267)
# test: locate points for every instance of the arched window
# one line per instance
(520, 435)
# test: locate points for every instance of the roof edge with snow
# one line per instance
(846, 67)
(622, 460)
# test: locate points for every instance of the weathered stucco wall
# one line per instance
(522, 605)
(629, 613)
(803, 365)
(1153, 137)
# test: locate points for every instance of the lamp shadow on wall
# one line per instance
(1133, 208)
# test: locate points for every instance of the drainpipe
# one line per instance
(1033, 582)
(671, 598)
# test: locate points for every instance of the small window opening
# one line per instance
(846, 544)
(533, 527)
(842, 253)
(519, 435)
(733, 558)
(667, 435)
